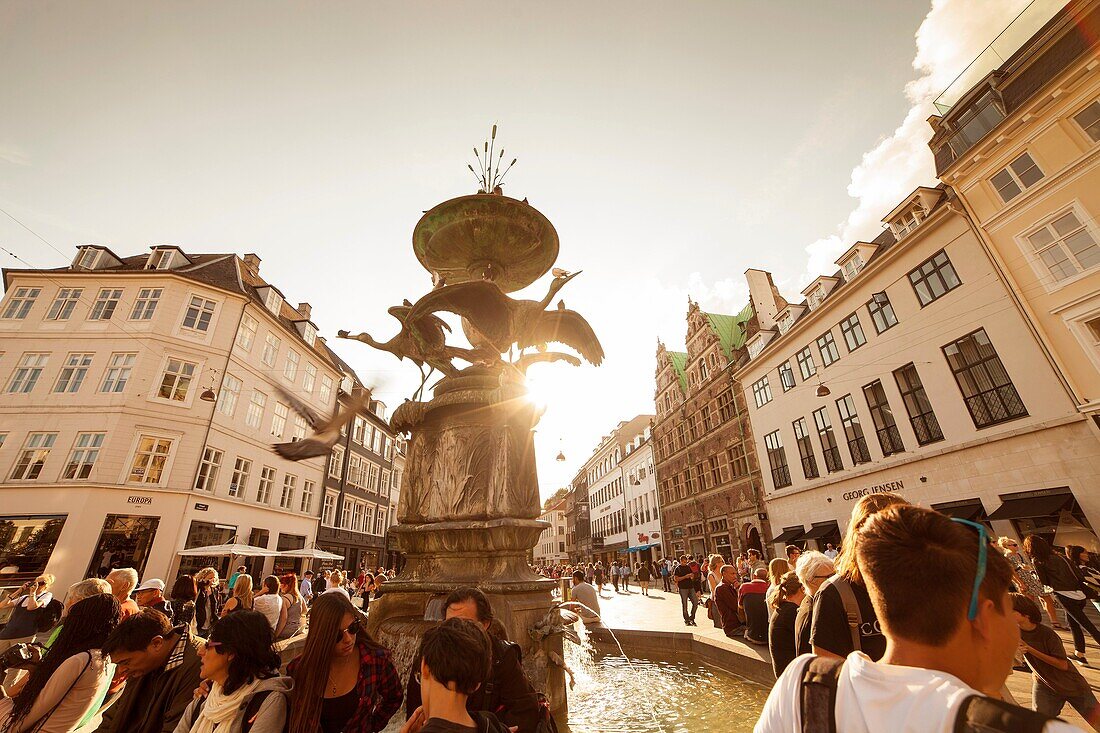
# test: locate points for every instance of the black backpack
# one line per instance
(48, 616)
(977, 714)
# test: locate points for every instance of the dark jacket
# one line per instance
(782, 642)
(154, 703)
(507, 694)
(725, 598)
(485, 722)
(1058, 574)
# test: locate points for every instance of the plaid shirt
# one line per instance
(378, 687)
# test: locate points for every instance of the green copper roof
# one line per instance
(730, 329)
(679, 363)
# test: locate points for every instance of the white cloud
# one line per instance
(951, 35)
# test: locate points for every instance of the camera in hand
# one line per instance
(21, 655)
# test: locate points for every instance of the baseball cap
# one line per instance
(151, 584)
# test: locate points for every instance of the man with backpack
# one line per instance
(942, 600)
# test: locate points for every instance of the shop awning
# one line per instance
(312, 552)
(818, 531)
(230, 550)
(1032, 506)
(639, 548)
(789, 534)
(968, 510)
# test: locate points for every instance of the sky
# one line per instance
(672, 145)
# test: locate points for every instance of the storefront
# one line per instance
(124, 542)
(206, 534)
(26, 543)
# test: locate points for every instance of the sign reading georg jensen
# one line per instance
(876, 489)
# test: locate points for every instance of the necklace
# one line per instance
(335, 672)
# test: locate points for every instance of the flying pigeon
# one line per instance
(325, 432)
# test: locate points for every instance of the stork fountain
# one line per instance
(469, 507)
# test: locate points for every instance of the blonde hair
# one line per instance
(336, 579)
(207, 574)
(242, 590)
(716, 562)
(864, 508)
(47, 579)
(776, 569)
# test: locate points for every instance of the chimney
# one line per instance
(252, 262)
(305, 309)
(765, 298)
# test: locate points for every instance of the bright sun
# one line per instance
(538, 390)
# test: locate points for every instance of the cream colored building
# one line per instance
(912, 369)
(1019, 140)
(645, 537)
(551, 546)
(138, 411)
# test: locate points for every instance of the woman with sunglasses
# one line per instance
(1054, 570)
(1025, 578)
(240, 670)
(344, 682)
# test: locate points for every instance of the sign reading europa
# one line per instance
(877, 489)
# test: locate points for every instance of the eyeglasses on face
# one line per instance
(215, 646)
(979, 575)
(352, 629)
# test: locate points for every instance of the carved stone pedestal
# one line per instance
(468, 515)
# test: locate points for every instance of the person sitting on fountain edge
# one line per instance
(455, 662)
(507, 693)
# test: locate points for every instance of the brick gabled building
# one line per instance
(707, 472)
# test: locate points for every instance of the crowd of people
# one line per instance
(119, 656)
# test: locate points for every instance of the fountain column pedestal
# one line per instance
(468, 516)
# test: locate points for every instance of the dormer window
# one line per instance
(160, 259)
(309, 333)
(908, 221)
(88, 258)
(346, 384)
(816, 298)
(786, 322)
(755, 348)
(272, 301)
(853, 266)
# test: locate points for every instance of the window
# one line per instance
(299, 431)
(987, 389)
(345, 513)
(882, 313)
(380, 522)
(1020, 174)
(827, 347)
(376, 440)
(852, 330)
(35, 452)
(255, 413)
(359, 429)
(889, 439)
(63, 304)
(118, 372)
(777, 457)
(21, 303)
(828, 440)
(150, 459)
(73, 373)
(336, 462)
(356, 473)
(160, 260)
(309, 334)
(246, 334)
(105, 304)
(703, 369)
(290, 483)
(278, 419)
(290, 368)
(208, 469)
(1065, 246)
(806, 363)
(762, 392)
(356, 515)
(852, 266)
(146, 304)
(921, 417)
(242, 467)
(1089, 120)
(27, 373)
(328, 511)
(933, 278)
(325, 394)
(272, 301)
(88, 258)
(309, 377)
(805, 448)
(972, 126)
(267, 480)
(198, 314)
(853, 431)
(307, 496)
(271, 349)
(228, 395)
(176, 380)
(908, 221)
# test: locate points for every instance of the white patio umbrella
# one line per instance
(311, 552)
(230, 550)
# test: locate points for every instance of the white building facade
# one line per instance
(138, 411)
(645, 537)
(551, 547)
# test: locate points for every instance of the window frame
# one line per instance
(105, 304)
(777, 460)
(853, 430)
(831, 452)
(185, 398)
(937, 270)
(849, 328)
(761, 391)
(36, 456)
(1085, 130)
(805, 449)
(1035, 255)
(924, 423)
(882, 419)
(1015, 177)
(20, 303)
(145, 305)
(834, 352)
(153, 453)
(1010, 384)
(875, 308)
(806, 357)
(201, 314)
(82, 458)
(73, 373)
(64, 302)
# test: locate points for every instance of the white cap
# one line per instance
(151, 584)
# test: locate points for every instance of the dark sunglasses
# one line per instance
(214, 646)
(353, 629)
(979, 575)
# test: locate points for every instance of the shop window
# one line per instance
(921, 416)
(125, 542)
(988, 391)
(853, 431)
(26, 544)
(889, 439)
(805, 448)
(934, 278)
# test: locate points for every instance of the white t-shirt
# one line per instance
(270, 605)
(872, 698)
(831, 554)
(586, 595)
(338, 589)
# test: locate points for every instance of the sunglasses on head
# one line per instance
(979, 575)
(352, 629)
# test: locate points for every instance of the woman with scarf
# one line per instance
(344, 681)
(240, 669)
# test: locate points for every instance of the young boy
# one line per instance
(455, 659)
(1055, 680)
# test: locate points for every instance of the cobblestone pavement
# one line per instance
(660, 611)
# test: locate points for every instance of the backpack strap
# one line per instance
(817, 694)
(252, 710)
(851, 608)
(981, 714)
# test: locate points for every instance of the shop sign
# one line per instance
(677, 532)
(202, 507)
(141, 500)
(885, 488)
